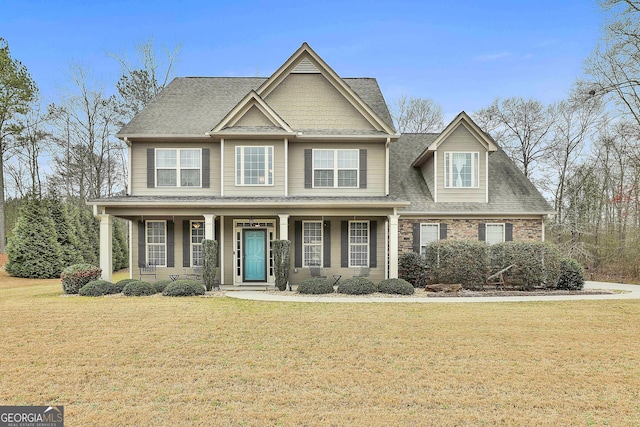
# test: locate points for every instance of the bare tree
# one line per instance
(417, 115)
(521, 127)
(143, 78)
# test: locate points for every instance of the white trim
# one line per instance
(486, 172)
(286, 167)
(129, 169)
(268, 165)
(222, 167)
(221, 250)
(393, 245)
(435, 177)
(367, 245)
(130, 243)
(386, 167)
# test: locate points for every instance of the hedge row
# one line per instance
(355, 286)
(469, 263)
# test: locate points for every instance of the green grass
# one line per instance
(220, 361)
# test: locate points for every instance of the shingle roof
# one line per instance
(194, 105)
(510, 192)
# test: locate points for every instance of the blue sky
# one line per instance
(462, 54)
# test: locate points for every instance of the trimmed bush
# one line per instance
(411, 268)
(357, 286)
(183, 288)
(281, 262)
(536, 263)
(315, 286)
(459, 261)
(209, 261)
(97, 288)
(395, 286)
(571, 275)
(160, 285)
(78, 275)
(138, 288)
(119, 286)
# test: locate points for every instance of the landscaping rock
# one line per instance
(443, 287)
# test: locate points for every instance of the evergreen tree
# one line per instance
(120, 245)
(91, 228)
(33, 250)
(67, 239)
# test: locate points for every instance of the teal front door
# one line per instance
(255, 255)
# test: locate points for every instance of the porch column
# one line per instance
(106, 245)
(209, 226)
(284, 226)
(393, 246)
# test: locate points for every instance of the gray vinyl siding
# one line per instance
(139, 178)
(375, 185)
(278, 187)
(461, 140)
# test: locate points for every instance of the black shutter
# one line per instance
(170, 245)
(326, 236)
(344, 244)
(151, 168)
(373, 244)
(206, 168)
(308, 168)
(416, 237)
(186, 243)
(482, 232)
(297, 236)
(508, 232)
(142, 256)
(443, 231)
(363, 168)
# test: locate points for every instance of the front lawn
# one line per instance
(133, 361)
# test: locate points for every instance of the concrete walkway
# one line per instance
(622, 292)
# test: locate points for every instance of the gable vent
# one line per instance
(305, 66)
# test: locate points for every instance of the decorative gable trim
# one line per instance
(251, 100)
(305, 60)
(461, 119)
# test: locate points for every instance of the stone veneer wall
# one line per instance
(523, 229)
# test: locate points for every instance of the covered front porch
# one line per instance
(336, 243)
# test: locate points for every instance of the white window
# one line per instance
(428, 233)
(335, 168)
(156, 235)
(312, 243)
(494, 233)
(197, 236)
(461, 170)
(358, 243)
(178, 167)
(254, 165)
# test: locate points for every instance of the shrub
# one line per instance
(160, 285)
(411, 268)
(395, 286)
(183, 288)
(138, 288)
(97, 288)
(119, 286)
(281, 260)
(535, 263)
(571, 275)
(78, 275)
(357, 286)
(315, 286)
(209, 261)
(459, 261)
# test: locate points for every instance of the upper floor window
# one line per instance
(312, 243)
(178, 167)
(335, 168)
(254, 165)
(461, 170)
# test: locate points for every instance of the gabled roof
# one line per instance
(461, 119)
(306, 60)
(251, 100)
(510, 192)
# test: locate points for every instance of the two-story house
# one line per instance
(311, 157)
